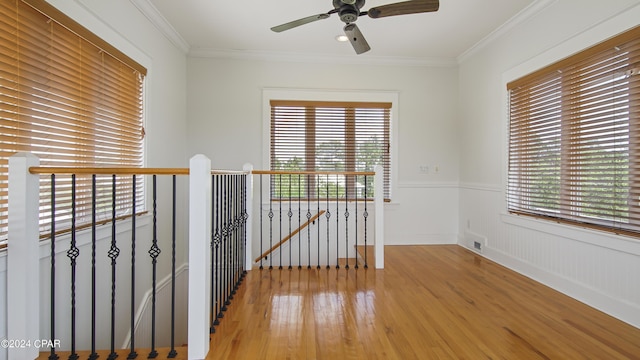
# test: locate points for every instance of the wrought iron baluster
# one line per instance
(113, 253)
(225, 241)
(234, 238)
(280, 217)
(271, 195)
(217, 241)
(261, 222)
(245, 218)
(72, 254)
(299, 220)
(213, 246)
(173, 353)
(132, 353)
(53, 355)
(328, 215)
(365, 215)
(346, 220)
(318, 202)
(154, 252)
(229, 263)
(337, 224)
(355, 218)
(94, 198)
(308, 219)
(290, 214)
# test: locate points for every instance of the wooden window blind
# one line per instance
(574, 138)
(73, 100)
(331, 136)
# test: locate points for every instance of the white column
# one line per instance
(199, 256)
(249, 225)
(379, 209)
(23, 267)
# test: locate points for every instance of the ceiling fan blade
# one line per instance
(356, 38)
(403, 8)
(296, 23)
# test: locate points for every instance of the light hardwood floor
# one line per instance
(430, 302)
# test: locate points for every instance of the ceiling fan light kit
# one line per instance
(349, 11)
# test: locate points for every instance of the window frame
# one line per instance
(269, 94)
(568, 135)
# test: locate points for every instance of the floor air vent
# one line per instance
(475, 241)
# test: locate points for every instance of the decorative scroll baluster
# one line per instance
(173, 353)
(94, 197)
(72, 254)
(214, 260)
(365, 215)
(337, 225)
(261, 222)
(271, 220)
(53, 355)
(229, 248)
(280, 216)
(154, 252)
(245, 217)
(318, 196)
(225, 242)
(328, 215)
(113, 253)
(290, 214)
(308, 219)
(346, 221)
(355, 218)
(132, 353)
(233, 211)
(219, 246)
(299, 221)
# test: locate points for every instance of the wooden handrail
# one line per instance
(46, 170)
(301, 172)
(288, 237)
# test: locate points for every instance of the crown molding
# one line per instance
(161, 23)
(525, 14)
(319, 58)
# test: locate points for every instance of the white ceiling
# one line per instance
(244, 26)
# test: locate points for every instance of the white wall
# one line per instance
(591, 266)
(226, 124)
(123, 25)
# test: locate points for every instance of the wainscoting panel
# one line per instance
(594, 267)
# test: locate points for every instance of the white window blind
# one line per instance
(574, 138)
(331, 136)
(71, 99)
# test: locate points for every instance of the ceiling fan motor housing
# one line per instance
(348, 10)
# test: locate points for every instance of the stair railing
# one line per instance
(316, 219)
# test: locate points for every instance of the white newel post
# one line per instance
(379, 209)
(249, 227)
(199, 256)
(23, 267)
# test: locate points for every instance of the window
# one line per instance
(574, 139)
(331, 136)
(71, 99)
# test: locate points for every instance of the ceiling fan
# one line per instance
(349, 11)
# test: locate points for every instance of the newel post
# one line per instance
(249, 208)
(199, 256)
(379, 215)
(23, 265)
